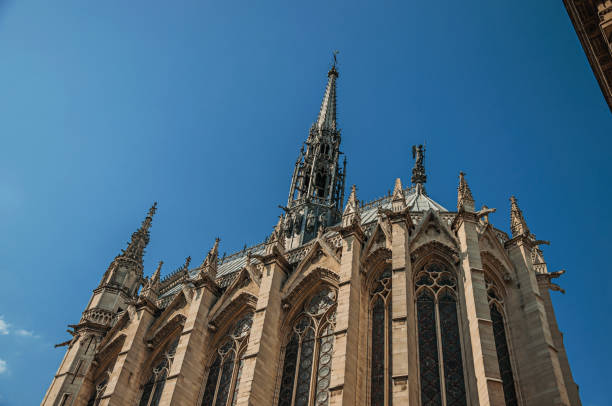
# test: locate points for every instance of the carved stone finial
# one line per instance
(398, 200)
(211, 262)
(276, 238)
(465, 200)
(518, 225)
(351, 211)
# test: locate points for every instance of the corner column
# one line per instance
(540, 371)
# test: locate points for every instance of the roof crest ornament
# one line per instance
(418, 172)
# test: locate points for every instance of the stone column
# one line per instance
(489, 388)
(343, 386)
(404, 386)
(540, 373)
(259, 372)
(186, 378)
(124, 383)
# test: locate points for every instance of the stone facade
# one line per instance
(394, 302)
(592, 20)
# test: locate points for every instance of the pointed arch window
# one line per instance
(152, 390)
(380, 340)
(496, 306)
(440, 359)
(308, 355)
(224, 374)
(100, 387)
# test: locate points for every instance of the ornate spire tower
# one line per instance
(317, 186)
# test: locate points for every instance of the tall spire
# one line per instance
(140, 238)
(465, 200)
(418, 172)
(327, 114)
(518, 225)
(317, 186)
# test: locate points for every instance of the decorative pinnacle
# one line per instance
(464, 195)
(140, 238)
(351, 211)
(156, 274)
(398, 200)
(187, 262)
(418, 172)
(518, 225)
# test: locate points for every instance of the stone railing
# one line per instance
(99, 316)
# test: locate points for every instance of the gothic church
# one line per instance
(398, 301)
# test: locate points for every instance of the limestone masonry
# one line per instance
(398, 301)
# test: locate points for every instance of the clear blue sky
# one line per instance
(106, 106)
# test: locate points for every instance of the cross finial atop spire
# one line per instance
(518, 225)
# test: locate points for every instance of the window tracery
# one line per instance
(380, 344)
(224, 374)
(152, 390)
(100, 387)
(440, 359)
(496, 305)
(308, 355)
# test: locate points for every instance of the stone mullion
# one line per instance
(315, 366)
(259, 372)
(386, 324)
(539, 372)
(483, 358)
(186, 376)
(404, 387)
(343, 386)
(124, 384)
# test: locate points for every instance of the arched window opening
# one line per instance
(99, 389)
(380, 344)
(440, 359)
(223, 380)
(501, 342)
(308, 354)
(152, 390)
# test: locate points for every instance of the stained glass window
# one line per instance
(380, 346)
(154, 387)
(501, 343)
(308, 354)
(440, 359)
(224, 374)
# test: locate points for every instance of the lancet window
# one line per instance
(380, 340)
(223, 379)
(308, 355)
(496, 305)
(440, 359)
(152, 390)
